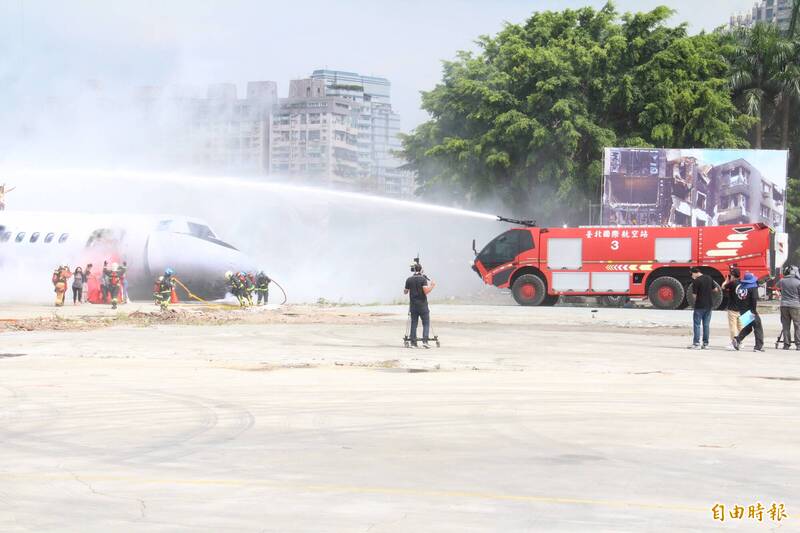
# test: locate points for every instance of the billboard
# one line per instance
(694, 187)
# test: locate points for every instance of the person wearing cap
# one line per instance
(729, 289)
(703, 288)
(789, 287)
(747, 296)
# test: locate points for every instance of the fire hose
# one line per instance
(195, 297)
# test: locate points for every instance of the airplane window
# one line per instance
(34, 236)
(20, 237)
(5, 236)
(201, 231)
(64, 237)
(49, 237)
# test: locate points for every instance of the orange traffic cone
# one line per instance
(173, 299)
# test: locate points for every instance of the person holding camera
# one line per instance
(789, 287)
(418, 286)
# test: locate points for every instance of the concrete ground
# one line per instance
(309, 419)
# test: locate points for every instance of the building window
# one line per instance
(765, 212)
(701, 200)
(766, 187)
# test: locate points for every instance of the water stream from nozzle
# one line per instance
(254, 184)
(321, 243)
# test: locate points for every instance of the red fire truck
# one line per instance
(614, 263)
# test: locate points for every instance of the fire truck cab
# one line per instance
(614, 263)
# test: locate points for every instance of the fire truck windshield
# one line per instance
(505, 247)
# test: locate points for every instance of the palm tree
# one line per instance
(760, 55)
(794, 20)
(788, 85)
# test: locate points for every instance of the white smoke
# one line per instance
(317, 243)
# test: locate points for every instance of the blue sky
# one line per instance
(51, 46)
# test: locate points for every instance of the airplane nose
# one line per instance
(198, 263)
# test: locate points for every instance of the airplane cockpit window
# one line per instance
(201, 231)
(5, 236)
(20, 237)
(34, 236)
(63, 238)
(49, 237)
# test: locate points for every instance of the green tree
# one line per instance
(759, 56)
(765, 78)
(525, 118)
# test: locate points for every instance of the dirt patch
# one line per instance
(194, 316)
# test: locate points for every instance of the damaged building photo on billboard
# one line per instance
(694, 187)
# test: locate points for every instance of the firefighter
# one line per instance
(235, 287)
(251, 287)
(243, 289)
(162, 290)
(262, 287)
(114, 285)
(60, 276)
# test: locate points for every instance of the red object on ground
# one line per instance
(173, 299)
(94, 294)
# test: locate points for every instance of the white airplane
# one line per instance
(35, 243)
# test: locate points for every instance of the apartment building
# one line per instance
(778, 12)
(378, 129)
(314, 137)
(216, 131)
(746, 196)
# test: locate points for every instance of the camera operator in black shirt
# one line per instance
(417, 287)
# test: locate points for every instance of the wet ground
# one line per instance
(315, 418)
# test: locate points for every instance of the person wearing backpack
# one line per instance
(747, 298)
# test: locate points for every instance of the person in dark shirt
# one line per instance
(703, 288)
(417, 287)
(729, 289)
(747, 298)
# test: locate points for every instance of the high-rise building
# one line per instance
(778, 12)
(378, 129)
(314, 137)
(216, 132)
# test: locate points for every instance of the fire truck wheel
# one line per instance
(666, 292)
(528, 289)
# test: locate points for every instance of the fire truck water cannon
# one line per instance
(619, 263)
(526, 223)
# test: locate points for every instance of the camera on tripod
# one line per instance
(416, 268)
